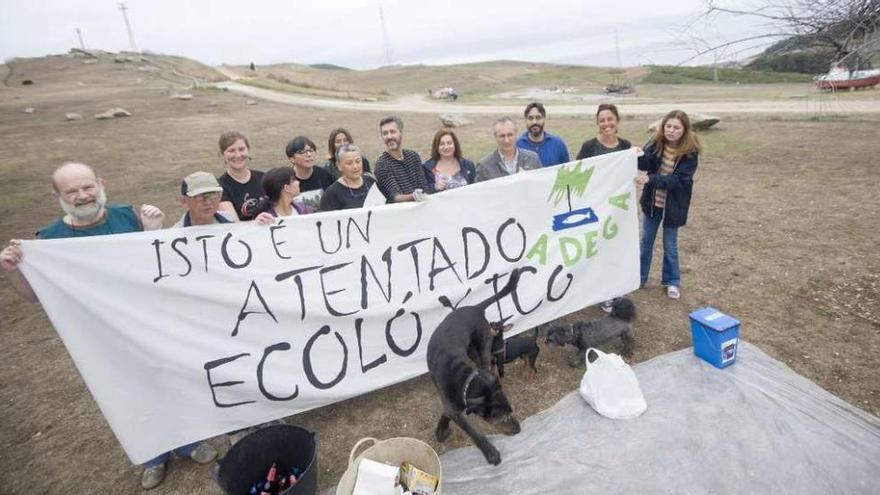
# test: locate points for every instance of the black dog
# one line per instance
(586, 334)
(505, 351)
(464, 388)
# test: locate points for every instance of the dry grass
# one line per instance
(783, 236)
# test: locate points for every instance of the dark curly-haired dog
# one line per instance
(505, 351)
(586, 334)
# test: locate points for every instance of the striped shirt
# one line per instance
(670, 158)
(400, 177)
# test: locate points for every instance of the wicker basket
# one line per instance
(394, 451)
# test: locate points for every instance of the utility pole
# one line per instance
(386, 41)
(80, 36)
(124, 9)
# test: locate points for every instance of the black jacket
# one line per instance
(679, 186)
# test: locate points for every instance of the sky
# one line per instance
(350, 33)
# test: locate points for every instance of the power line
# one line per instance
(386, 41)
(124, 9)
(80, 36)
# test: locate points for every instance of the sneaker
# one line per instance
(606, 306)
(672, 292)
(153, 476)
(204, 453)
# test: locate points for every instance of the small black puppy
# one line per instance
(586, 334)
(505, 351)
(465, 384)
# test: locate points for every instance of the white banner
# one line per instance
(183, 334)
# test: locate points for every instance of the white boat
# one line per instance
(841, 78)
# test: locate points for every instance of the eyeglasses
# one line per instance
(307, 151)
(207, 197)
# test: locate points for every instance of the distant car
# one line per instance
(448, 94)
(618, 89)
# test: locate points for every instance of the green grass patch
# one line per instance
(664, 74)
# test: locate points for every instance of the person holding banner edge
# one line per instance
(606, 141)
(670, 161)
(447, 169)
(399, 171)
(80, 192)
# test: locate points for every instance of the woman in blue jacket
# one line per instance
(670, 161)
(447, 169)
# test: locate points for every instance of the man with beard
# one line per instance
(508, 159)
(399, 172)
(551, 149)
(80, 192)
(86, 213)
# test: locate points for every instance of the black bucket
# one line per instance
(251, 458)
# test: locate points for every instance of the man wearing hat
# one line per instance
(200, 194)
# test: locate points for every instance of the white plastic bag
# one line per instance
(610, 387)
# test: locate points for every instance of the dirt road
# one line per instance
(419, 105)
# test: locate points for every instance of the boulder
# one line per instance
(73, 116)
(699, 122)
(113, 113)
(29, 110)
(453, 121)
(702, 121)
(181, 96)
(250, 102)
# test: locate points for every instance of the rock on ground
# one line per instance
(453, 121)
(73, 116)
(113, 113)
(699, 122)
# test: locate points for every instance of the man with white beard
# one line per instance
(80, 192)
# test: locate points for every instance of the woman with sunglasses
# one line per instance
(312, 180)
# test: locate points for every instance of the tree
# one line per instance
(845, 28)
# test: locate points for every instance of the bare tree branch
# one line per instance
(843, 26)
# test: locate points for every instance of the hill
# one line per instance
(99, 68)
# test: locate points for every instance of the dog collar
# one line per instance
(467, 384)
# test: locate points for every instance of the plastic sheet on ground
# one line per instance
(754, 427)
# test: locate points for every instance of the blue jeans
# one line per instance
(184, 451)
(671, 274)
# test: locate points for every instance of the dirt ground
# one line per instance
(782, 235)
